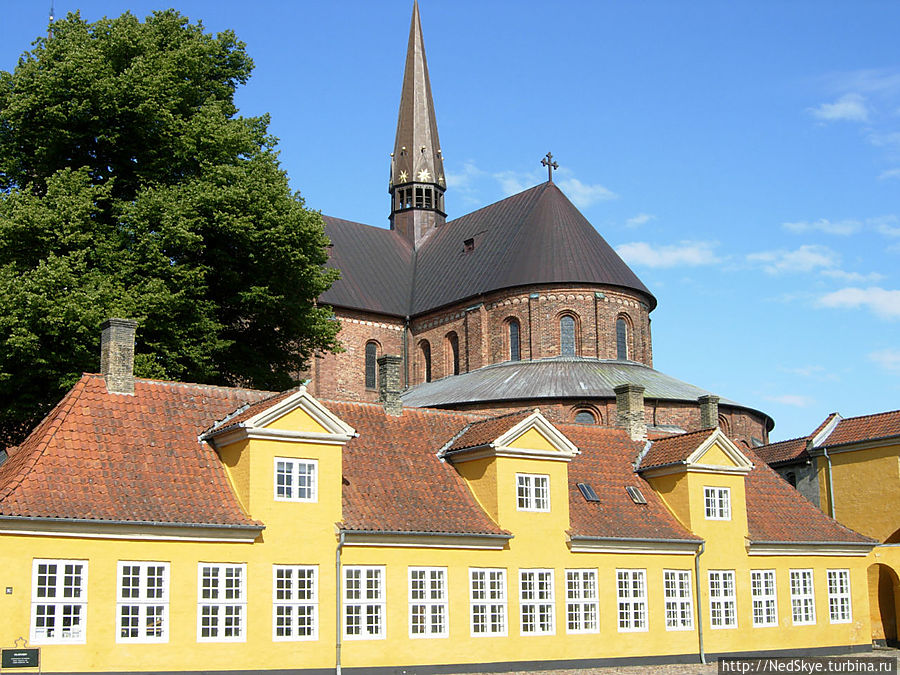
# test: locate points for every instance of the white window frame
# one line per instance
(532, 492)
(226, 600)
(290, 491)
(631, 594)
(364, 597)
(717, 503)
(764, 595)
(582, 607)
(679, 599)
(537, 604)
(428, 615)
(63, 600)
(722, 600)
(840, 605)
(487, 599)
(295, 596)
(146, 601)
(803, 598)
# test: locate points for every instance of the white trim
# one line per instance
(742, 462)
(292, 601)
(679, 599)
(839, 596)
(591, 545)
(539, 605)
(763, 598)
(243, 433)
(143, 602)
(58, 601)
(564, 451)
(538, 422)
(132, 531)
(363, 602)
(587, 607)
(636, 612)
(724, 598)
(425, 540)
(294, 473)
(498, 606)
(221, 604)
(721, 502)
(809, 549)
(428, 602)
(822, 436)
(802, 597)
(530, 487)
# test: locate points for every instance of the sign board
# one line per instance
(20, 658)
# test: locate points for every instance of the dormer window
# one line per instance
(295, 480)
(717, 503)
(532, 492)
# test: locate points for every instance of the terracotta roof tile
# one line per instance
(865, 428)
(114, 457)
(783, 451)
(250, 410)
(484, 431)
(674, 449)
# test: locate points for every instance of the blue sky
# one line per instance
(743, 157)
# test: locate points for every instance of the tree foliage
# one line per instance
(129, 186)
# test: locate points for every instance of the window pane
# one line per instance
(567, 336)
(621, 340)
(371, 355)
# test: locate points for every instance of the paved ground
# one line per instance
(682, 669)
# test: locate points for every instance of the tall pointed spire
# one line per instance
(417, 167)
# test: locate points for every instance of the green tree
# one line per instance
(129, 186)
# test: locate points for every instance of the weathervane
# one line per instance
(550, 164)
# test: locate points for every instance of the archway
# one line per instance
(884, 603)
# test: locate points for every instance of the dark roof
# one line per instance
(673, 449)
(534, 237)
(376, 268)
(864, 428)
(558, 377)
(113, 457)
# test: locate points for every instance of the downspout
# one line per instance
(699, 611)
(337, 603)
(830, 482)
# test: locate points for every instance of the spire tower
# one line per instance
(417, 167)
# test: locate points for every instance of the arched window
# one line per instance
(585, 417)
(621, 339)
(452, 353)
(515, 349)
(567, 335)
(371, 366)
(425, 353)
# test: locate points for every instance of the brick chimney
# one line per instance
(630, 410)
(117, 355)
(389, 384)
(709, 411)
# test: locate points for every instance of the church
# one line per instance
(519, 304)
(492, 477)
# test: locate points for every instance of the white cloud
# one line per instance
(841, 275)
(889, 359)
(871, 80)
(880, 140)
(883, 303)
(639, 219)
(512, 182)
(825, 225)
(795, 400)
(683, 254)
(849, 107)
(890, 173)
(583, 195)
(464, 179)
(807, 258)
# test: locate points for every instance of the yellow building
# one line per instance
(850, 467)
(153, 526)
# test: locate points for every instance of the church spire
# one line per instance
(417, 167)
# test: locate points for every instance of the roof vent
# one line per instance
(636, 495)
(469, 245)
(587, 492)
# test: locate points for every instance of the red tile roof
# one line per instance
(783, 451)
(865, 428)
(484, 431)
(674, 449)
(605, 463)
(779, 513)
(115, 457)
(393, 479)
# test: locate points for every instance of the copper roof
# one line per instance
(114, 457)
(532, 238)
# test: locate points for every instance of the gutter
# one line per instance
(635, 539)
(699, 605)
(149, 523)
(337, 603)
(413, 533)
(830, 482)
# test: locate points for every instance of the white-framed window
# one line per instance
(765, 598)
(487, 601)
(142, 603)
(428, 602)
(631, 590)
(582, 612)
(532, 492)
(296, 479)
(803, 599)
(839, 596)
(679, 601)
(536, 602)
(295, 602)
(717, 503)
(221, 602)
(364, 602)
(58, 601)
(722, 600)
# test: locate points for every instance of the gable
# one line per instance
(533, 439)
(715, 456)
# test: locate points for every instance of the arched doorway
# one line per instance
(884, 604)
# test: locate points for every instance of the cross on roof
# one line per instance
(550, 164)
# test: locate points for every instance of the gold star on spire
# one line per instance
(424, 176)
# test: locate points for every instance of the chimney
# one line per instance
(709, 411)
(389, 384)
(630, 410)
(117, 355)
